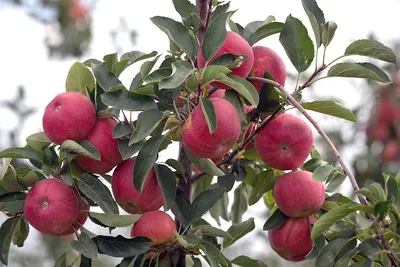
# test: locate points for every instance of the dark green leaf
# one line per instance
(332, 108)
(75, 147)
(371, 48)
(250, 28)
(269, 98)
(85, 246)
(126, 150)
(94, 189)
(10, 182)
(245, 261)
(391, 188)
(242, 86)
(265, 182)
(238, 230)
(316, 17)
(227, 181)
(14, 202)
(167, 181)
(321, 174)
(178, 33)
(204, 164)
(145, 161)
(212, 253)
(220, 209)
(121, 129)
(79, 78)
(115, 220)
(85, 262)
(328, 254)
(233, 97)
(297, 44)
(239, 205)
(135, 56)
(6, 233)
(212, 231)
(156, 76)
(211, 73)
(319, 244)
(358, 70)
(182, 210)
(328, 32)
(188, 12)
(374, 192)
(177, 166)
(20, 152)
(180, 71)
(370, 247)
(215, 36)
(147, 121)
(229, 60)
(236, 27)
(120, 246)
(205, 201)
(105, 78)
(126, 100)
(265, 31)
(209, 114)
(382, 208)
(335, 182)
(346, 258)
(275, 220)
(21, 231)
(4, 164)
(219, 10)
(38, 140)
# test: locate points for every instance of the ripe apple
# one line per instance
(69, 116)
(83, 210)
(101, 138)
(390, 151)
(51, 206)
(156, 225)
(234, 44)
(219, 93)
(126, 195)
(298, 195)
(292, 240)
(266, 59)
(197, 137)
(285, 142)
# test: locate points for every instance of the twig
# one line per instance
(320, 131)
(316, 72)
(202, 6)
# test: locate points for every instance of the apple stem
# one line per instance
(316, 72)
(320, 131)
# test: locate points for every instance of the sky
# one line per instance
(24, 58)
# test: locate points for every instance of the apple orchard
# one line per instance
(226, 100)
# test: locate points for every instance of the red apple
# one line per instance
(266, 59)
(390, 151)
(69, 116)
(219, 93)
(292, 240)
(84, 208)
(285, 142)
(156, 225)
(234, 44)
(101, 138)
(51, 206)
(298, 195)
(197, 137)
(126, 195)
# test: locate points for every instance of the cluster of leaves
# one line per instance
(153, 93)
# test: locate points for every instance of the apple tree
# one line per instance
(223, 98)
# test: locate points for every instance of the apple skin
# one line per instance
(391, 151)
(126, 195)
(69, 116)
(51, 206)
(101, 138)
(234, 44)
(292, 240)
(197, 137)
(219, 93)
(298, 195)
(156, 225)
(83, 210)
(266, 59)
(285, 142)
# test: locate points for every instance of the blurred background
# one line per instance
(41, 39)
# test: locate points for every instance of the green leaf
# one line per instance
(382, 208)
(332, 108)
(177, 166)
(370, 247)
(85, 246)
(335, 182)
(135, 56)
(188, 12)
(62, 260)
(265, 31)
(346, 258)
(147, 121)
(326, 257)
(219, 10)
(328, 32)
(167, 181)
(209, 114)
(94, 189)
(104, 78)
(215, 36)
(371, 48)
(236, 27)
(10, 181)
(250, 28)
(391, 188)
(265, 182)
(239, 205)
(178, 33)
(205, 201)
(182, 210)
(127, 100)
(275, 220)
(20, 153)
(319, 244)
(211, 73)
(212, 253)
(4, 164)
(337, 213)
(38, 140)
(120, 246)
(180, 71)
(212, 231)
(204, 164)
(126, 150)
(245, 261)
(6, 233)
(145, 161)
(358, 70)
(121, 129)
(229, 60)
(238, 230)
(21, 231)
(75, 147)
(321, 174)
(374, 192)
(269, 98)
(233, 97)
(79, 78)
(14, 202)
(242, 86)
(115, 220)
(297, 44)
(220, 210)
(316, 17)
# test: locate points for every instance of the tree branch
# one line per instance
(203, 7)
